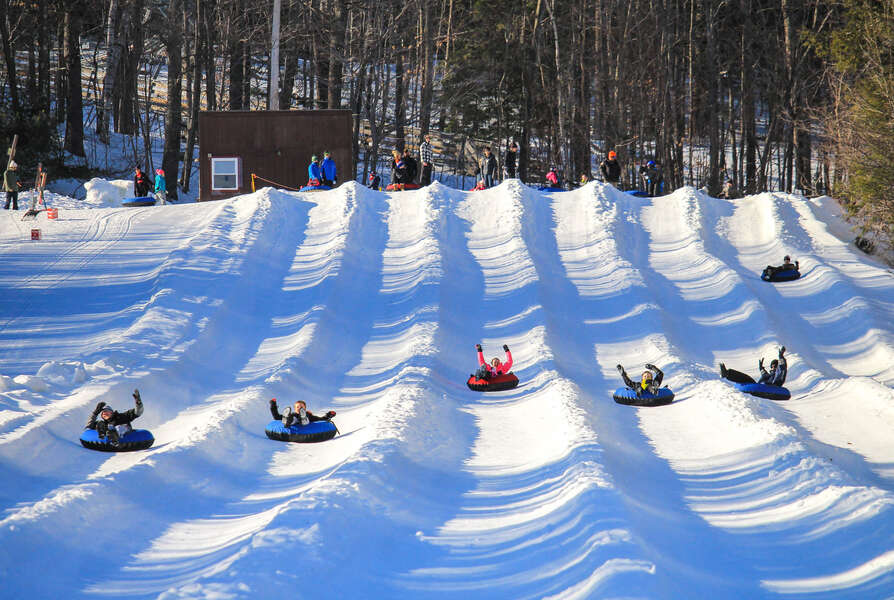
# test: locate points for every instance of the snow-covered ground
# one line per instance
(370, 304)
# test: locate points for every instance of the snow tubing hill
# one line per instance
(318, 431)
(787, 275)
(762, 390)
(315, 188)
(624, 395)
(137, 439)
(494, 384)
(399, 187)
(141, 201)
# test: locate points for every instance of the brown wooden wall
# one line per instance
(275, 145)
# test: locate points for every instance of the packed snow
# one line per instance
(370, 304)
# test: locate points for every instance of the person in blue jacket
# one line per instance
(314, 172)
(161, 191)
(775, 376)
(328, 168)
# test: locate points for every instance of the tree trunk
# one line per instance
(195, 100)
(74, 114)
(10, 60)
(273, 93)
(113, 56)
(174, 112)
(336, 53)
(400, 108)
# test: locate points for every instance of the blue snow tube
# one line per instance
(786, 275)
(637, 193)
(317, 431)
(624, 395)
(315, 188)
(137, 439)
(140, 201)
(763, 390)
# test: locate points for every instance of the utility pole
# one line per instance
(273, 98)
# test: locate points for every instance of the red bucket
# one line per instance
(52, 213)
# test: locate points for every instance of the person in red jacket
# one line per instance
(299, 416)
(496, 367)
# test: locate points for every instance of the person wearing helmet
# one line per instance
(496, 366)
(775, 376)
(161, 188)
(314, 171)
(649, 383)
(112, 424)
(11, 186)
(651, 178)
(327, 168)
(611, 170)
(297, 414)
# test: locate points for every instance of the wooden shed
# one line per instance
(274, 145)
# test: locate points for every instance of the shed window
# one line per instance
(225, 173)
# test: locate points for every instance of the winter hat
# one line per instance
(106, 408)
(612, 155)
(160, 172)
(13, 165)
(325, 153)
(314, 158)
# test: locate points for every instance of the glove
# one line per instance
(330, 414)
(273, 401)
(620, 368)
(136, 396)
(651, 366)
(99, 406)
(478, 347)
(781, 351)
(505, 348)
(760, 363)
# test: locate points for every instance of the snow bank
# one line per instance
(102, 192)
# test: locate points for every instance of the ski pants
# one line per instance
(14, 197)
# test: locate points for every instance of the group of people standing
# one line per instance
(322, 172)
(142, 185)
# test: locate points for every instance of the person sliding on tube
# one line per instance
(775, 376)
(495, 368)
(787, 265)
(297, 416)
(112, 424)
(649, 384)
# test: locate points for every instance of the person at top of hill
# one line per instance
(775, 376)
(11, 186)
(140, 183)
(584, 180)
(297, 414)
(552, 176)
(425, 157)
(411, 165)
(496, 367)
(652, 178)
(327, 168)
(112, 424)
(787, 265)
(487, 167)
(374, 181)
(649, 383)
(611, 170)
(314, 171)
(161, 188)
(398, 169)
(510, 160)
(479, 186)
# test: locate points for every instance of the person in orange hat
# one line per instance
(611, 170)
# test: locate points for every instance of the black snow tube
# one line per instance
(137, 439)
(141, 201)
(786, 275)
(494, 384)
(318, 431)
(625, 395)
(762, 390)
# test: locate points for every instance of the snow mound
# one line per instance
(103, 192)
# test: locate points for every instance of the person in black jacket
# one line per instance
(775, 376)
(411, 165)
(398, 169)
(611, 170)
(787, 265)
(141, 183)
(510, 160)
(650, 382)
(112, 424)
(488, 167)
(297, 416)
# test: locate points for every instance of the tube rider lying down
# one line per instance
(787, 265)
(649, 384)
(775, 376)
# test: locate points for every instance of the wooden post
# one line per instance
(12, 150)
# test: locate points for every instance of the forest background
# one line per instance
(787, 95)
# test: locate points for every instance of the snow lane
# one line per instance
(534, 463)
(813, 497)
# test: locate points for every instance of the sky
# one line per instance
(370, 304)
